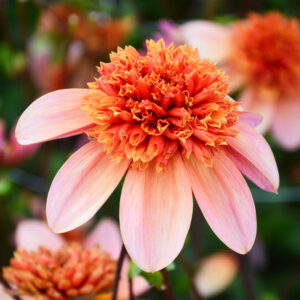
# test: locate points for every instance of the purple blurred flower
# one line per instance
(11, 152)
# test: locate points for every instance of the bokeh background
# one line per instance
(47, 45)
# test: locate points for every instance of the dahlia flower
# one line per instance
(262, 55)
(43, 260)
(166, 121)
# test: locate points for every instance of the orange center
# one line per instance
(148, 107)
(266, 51)
(70, 272)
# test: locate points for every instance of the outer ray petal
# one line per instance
(139, 284)
(212, 40)
(82, 186)
(225, 200)
(31, 234)
(55, 115)
(4, 295)
(155, 214)
(264, 105)
(250, 118)
(107, 235)
(286, 127)
(253, 156)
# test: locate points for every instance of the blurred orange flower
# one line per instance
(66, 38)
(262, 55)
(45, 266)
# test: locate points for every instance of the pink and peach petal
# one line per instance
(155, 214)
(107, 235)
(55, 115)
(4, 295)
(139, 284)
(211, 39)
(286, 124)
(82, 186)
(250, 118)
(225, 201)
(31, 234)
(264, 105)
(253, 156)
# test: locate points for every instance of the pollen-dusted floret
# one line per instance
(266, 51)
(67, 273)
(148, 107)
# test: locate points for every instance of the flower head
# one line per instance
(267, 50)
(165, 120)
(149, 107)
(45, 266)
(70, 272)
(260, 54)
(54, 63)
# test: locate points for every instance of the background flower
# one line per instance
(259, 54)
(32, 234)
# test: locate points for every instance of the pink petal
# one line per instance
(82, 186)
(261, 104)
(286, 125)
(253, 156)
(250, 118)
(155, 214)
(139, 284)
(31, 234)
(225, 200)
(2, 133)
(211, 39)
(54, 115)
(107, 235)
(4, 295)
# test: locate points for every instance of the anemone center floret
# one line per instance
(148, 107)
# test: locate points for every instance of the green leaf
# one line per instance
(134, 270)
(225, 19)
(5, 186)
(171, 267)
(156, 279)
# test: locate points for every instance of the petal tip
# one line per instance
(18, 135)
(246, 248)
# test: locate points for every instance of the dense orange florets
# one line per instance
(67, 273)
(266, 51)
(148, 107)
